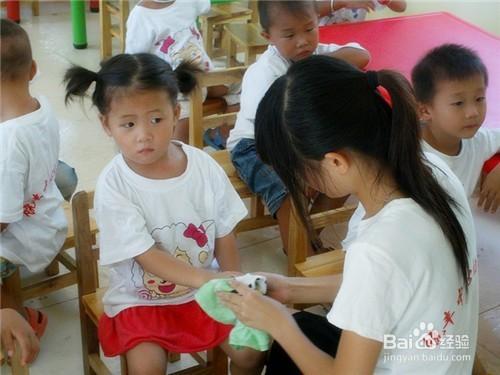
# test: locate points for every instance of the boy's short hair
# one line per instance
(16, 55)
(294, 6)
(450, 62)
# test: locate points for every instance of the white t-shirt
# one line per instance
(345, 15)
(29, 199)
(257, 80)
(474, 152)
(170, 33)
(183, 215)
(401, 283)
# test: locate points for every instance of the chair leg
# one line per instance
(17, 369)
(123, 365)
(105, 21)
(11, 292)
(53, 268)
(174, 357)
(35, 7)
(477, 368)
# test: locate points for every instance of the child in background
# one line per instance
(450, 84)
(165, 210)
(292, 30)
(168, 29)
(411, 270)
(32, 221)
(354, 11)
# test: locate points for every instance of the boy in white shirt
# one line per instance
(450, 85)
(291, 27)
(32, 222)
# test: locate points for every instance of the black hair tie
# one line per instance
(372, 78)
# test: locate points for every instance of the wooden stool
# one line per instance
(246, 37)
(220, 15)
(113, 19)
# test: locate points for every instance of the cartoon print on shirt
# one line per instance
(194, 244)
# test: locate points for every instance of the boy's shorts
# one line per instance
(260, 178)
(6, 268)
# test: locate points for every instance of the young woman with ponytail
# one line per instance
(165, 210)
(407, 301)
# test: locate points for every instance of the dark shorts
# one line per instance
(321, 333)
(260, 178)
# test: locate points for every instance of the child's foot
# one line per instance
(37, 320)
(214, 139)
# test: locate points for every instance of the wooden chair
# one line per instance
(113, 18)
(15, 362)
(199, 122)
(90, 299)
(220, 15)
(244, 37)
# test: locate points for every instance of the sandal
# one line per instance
(37, 320)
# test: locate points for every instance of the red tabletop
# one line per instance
(398, 43)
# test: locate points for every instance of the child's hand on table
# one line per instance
(489, 192)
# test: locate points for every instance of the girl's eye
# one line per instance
(128, 125)
(457, 104)
(156, 120)
(481, 99)
(289, 36)
(309, 30)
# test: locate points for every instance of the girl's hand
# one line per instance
(256, 310)
(489, 194)
(278, 286)
(15, 328)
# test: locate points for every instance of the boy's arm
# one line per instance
(396, 5)
(226, 253)
(325, 8)
(489, 193)
(355, 56)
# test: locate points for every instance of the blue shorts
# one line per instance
(260, 178)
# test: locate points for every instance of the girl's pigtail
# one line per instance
(186, 76)
(413, 176)
(78, 80)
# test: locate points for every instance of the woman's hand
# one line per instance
(256, 310)
(15, 328)
(278, 286)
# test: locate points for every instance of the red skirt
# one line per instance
(176, 328)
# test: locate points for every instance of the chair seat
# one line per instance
(328, 263)
(247, 35)
(93, 304)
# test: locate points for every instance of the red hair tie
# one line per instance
(384, 94)
(372, 78)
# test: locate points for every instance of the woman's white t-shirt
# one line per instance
(183, 215)
(170, 33)
(30, 201)
(402, 287)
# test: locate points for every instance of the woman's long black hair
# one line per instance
(324, 104)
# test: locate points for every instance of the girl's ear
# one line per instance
(424, 112)
(104, 124)
(177, 112)
(266, 36)
(338, 162)
(33, 70)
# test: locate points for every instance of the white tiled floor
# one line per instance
(85, 146)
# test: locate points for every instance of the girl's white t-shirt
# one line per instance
(183, 215)
(170, 33)
(30, 201)
(402, 287)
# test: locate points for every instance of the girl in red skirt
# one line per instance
(165, 212)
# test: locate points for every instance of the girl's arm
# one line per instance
(355, 56)
(355, 355)
(164, 265)
(226, 253)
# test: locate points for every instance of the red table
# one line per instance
(398, 43)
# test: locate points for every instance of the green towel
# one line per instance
(241, 335)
